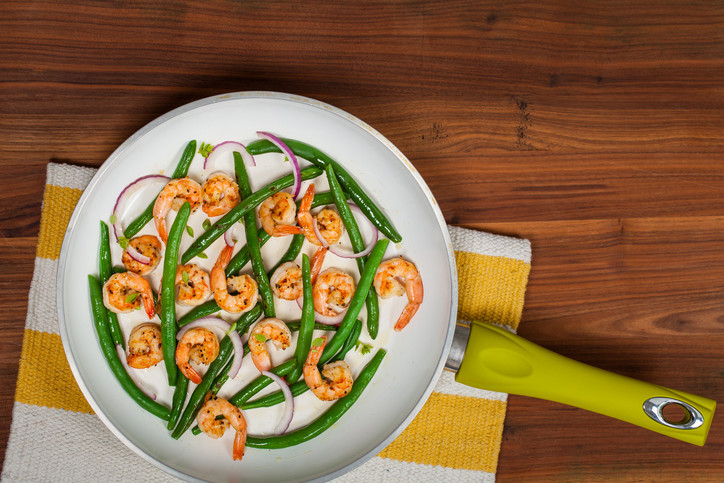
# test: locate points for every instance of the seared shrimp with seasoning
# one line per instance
(219, 194)
(332, 292)
(199, 345)
(328, 221)
(286, 281)
(395, 277)
(270, 329)
(147, 245)
(334, 382)
(278, 212)
(193, 285)
(173, 195)
(237, 294)
(124, 292)
(144, 346)
(215, 428)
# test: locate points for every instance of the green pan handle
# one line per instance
(498, 360)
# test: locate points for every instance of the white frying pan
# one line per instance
(416, 356)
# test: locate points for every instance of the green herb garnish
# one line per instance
(205, 149)
(362, 347)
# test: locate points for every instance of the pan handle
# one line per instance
(498, 360)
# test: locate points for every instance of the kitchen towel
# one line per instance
(55, 436)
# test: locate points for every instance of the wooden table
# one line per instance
(594, 131)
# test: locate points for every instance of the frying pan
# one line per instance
(482, 355)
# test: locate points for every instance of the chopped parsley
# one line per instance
(205, 149)
(362, 347)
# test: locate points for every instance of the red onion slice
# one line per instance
(126, 194)
(229, 236)
(325, 319)
(132, 374)
(228, 147)
(137, 256)
(341, 252)
(288, 413)
(234, 337)
(292, 159)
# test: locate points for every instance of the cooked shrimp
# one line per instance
(215, 428)
(199, 345)
(270, 329)
(332, 291)
(147, 245)
(396, 276)
(286, 281)
(329, 223)
(193, 285)
(276, 212)
(334, 382)
(219, 194)
(144, 346)
(173, 195)
(122, 290)
(236, 294)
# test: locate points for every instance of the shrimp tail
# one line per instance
(149, 305)
(285, 230)
(315, 353)
(407, 313)
(316, 263)
(190, 373)
(239, 445)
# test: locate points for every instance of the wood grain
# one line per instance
(595, 131)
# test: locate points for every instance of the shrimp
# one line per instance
(173, 195)
(144, 346)
(147, 245)
(286, 281)
(246, 292)
(121, 293)
(332, 291)
(334, 382)
(193, 285)
(268, 329)
(199, 345)
(215, 428)
(277, 211)
(395, 276)
(219, 194)
(328, 221)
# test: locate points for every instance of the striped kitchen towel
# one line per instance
(55, 436)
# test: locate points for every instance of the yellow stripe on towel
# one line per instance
(58, 205)
(491, 289)
(452, 431)
(44, 377)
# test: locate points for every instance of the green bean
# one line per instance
(105, 269)
(358, 244)
(294, 326)
(177, 403)
(168, 292)
(182, 169)
(226, 350)
(306, 324)
(358, 299)
(100, 318)
(252, 240)
(261, 382)
(327, 419)
(276, 397)
(320, 159)
(350, 342)
(209, 307)
(295, 246)
(249, 203)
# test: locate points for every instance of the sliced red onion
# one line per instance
(223, 325)
(325, 319)
(137, 256)
(341, 252)
(292, 159)
(228, 147)
(229, 236)
(127, 192)
(132, 374)
(288, 413)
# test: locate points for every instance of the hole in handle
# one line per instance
(679, 415)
